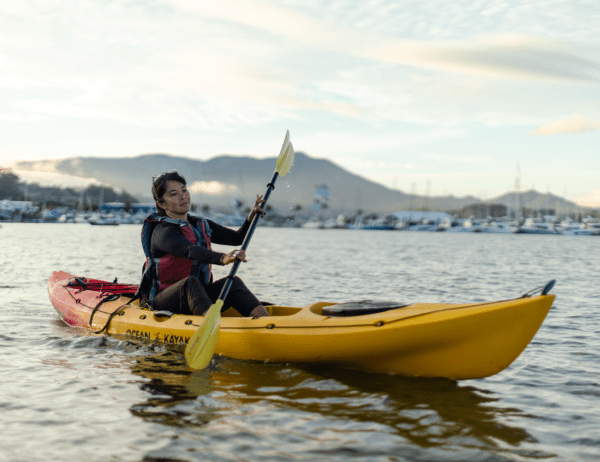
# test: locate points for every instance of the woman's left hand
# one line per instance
(257, 208)
(232, 256)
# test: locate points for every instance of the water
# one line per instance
(70, 396)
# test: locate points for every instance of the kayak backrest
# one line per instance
(361, 307)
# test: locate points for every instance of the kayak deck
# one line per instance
(456, 341)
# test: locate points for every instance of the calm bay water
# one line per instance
(70, 396)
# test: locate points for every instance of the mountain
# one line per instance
(533, 200)
(220, 180)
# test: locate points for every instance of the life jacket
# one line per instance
(160, 273)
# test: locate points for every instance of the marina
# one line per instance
(399, 221)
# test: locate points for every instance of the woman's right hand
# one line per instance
(232, 256)
(257, 208)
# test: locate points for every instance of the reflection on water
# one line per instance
(429, 413)
(171, 386)
(68, 395)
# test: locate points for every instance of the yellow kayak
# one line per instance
(456, 341)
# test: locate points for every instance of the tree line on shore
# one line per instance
(53, 196)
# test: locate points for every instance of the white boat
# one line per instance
(537, 226)
(379, 225)
(447, 223)
(498, 227)
(335, 223)
(81, 218)
(429, 227)
(312, 223)
(467, 226)
(569, 227)
(579, 231)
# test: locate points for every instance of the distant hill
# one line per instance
(534, 200)
(220, 180)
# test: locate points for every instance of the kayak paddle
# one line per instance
(201, 346)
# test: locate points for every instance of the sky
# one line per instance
(477, 97)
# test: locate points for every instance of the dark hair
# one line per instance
(159, 186)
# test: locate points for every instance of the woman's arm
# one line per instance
(167, 239)
(226, 236)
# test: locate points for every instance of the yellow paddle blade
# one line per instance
(286, 141)
(286, 156)
(284, 166)
(201, 346)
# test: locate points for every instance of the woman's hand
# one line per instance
(257, 209)
(232, 256)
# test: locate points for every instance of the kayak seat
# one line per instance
(361, 307)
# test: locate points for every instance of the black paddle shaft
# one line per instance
(236, 263)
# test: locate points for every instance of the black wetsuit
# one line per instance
(191, 295)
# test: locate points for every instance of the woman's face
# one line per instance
(176, 200)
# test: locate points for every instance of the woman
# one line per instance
(179, 255)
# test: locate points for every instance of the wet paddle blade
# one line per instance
(285, 165)
(201, 346)
(286, 141)
(286, 156)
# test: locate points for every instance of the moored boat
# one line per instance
(536, 226)
(498, 228)
(456, 341)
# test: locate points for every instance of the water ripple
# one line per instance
(97, 398)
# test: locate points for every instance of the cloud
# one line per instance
(458, 158)
(359, 73)
(53, 179)
(577, 124)
(590, 200)
(499, 56)
(340, 144)
(507, 57)
(214, 188)
(218, 66)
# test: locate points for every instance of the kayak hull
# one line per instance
(455, 341)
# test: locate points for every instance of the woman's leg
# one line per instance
(187, 296)
(259, 312)
(239, 297)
